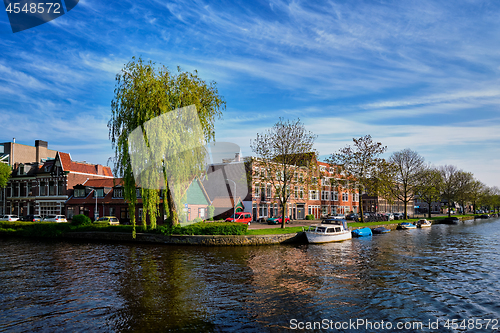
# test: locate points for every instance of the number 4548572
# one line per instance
(472, 324)
(33, 8)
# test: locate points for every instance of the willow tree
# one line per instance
(145, 92)
(285, 158)
(362, 164)
(5, 172)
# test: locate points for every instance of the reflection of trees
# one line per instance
(162, 292)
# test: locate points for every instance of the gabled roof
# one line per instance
(93, 169)
(103, 182)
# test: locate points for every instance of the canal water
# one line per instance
(442, 279)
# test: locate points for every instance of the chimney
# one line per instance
(237, 157)
(40, 144)
(100, 170)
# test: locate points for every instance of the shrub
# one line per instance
(81, 220)
(310, 217)
(204, 228)
(198, 219)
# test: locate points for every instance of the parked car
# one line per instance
(55, 218)
(241, 217)
(32, 218)
(9, 218)
(389, 216)
(352, 216)
(398, 216)
(337, 216)
(277, 220)
(112, 220)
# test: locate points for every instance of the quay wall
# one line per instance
(201, 240)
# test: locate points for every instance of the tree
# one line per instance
(430, 187)
(476, 188)
(5, 171)
(360, 163)
(464, 183)
(450, 185)
(408, 166)
(144, 92)
(281, 152)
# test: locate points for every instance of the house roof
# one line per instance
(225, 202)
(103, 182)
(80, 167)
(216, 185)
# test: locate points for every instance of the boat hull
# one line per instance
(381, 230)
(363, 232)
(318, 238)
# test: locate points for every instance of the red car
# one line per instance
(277, 220)
(241, 217)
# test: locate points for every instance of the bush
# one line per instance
(198, 219)
(81, 220)
(204, 228)
(310, 217)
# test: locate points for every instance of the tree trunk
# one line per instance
(361, 209)
(173, 217)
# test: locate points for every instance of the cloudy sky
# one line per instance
(419, 74)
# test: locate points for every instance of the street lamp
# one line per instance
(234, 200)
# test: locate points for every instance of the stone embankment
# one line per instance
(208, 240)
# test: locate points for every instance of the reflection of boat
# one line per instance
(363, 232)
(330, 230)
(380, 230)
(450, 220)
(407, 225)
(423, 223)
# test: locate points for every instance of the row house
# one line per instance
(42, 187)
(105, 197)
(377, 204)
(315, 189)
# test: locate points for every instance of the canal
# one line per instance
(442, 279)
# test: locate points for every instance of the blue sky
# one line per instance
(420, 74)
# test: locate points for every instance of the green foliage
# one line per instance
(81, 219)
(211, 210)
(204, 228)
(5, 171)
(144, 92)
(198, 219)
(310, 217)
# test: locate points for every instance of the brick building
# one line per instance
(42, 187)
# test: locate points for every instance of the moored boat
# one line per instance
(423, 223)
(450, 220)
(330, 230)
(380, 230)
(407, 225)
(363, 232)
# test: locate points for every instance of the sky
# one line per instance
(422, 75)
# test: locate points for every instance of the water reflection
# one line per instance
(444, 272)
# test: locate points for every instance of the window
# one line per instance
(98, 192)
(295, 191)
(345, 196)
(60, 187)
(257, 190)
(52, 188)
(322, 168)
(324, 195)
(123, 213)
(313, 195)
(118, 192)
(79, 193)
(43, 189)
(301, 192)
(138, 193)
(140, 215)
(275, 210)
(201, 213)
(22, 187)
(268, 190)
(355, 197)
(335, 196)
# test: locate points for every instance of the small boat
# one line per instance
(363, 232)
(423, 223)
(407, 225)
(450, 220)
(380, 230)
(330, 230)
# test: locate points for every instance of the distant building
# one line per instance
(14, 153)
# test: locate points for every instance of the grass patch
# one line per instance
(274, 231)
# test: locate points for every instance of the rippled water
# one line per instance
(438, 274)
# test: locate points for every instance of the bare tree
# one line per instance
(408, 166)
(285, 153)
(476, 188)
(360, 163)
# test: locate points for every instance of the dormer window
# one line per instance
(21, 169)
(79, 193)
(118, 192)
(98, 192)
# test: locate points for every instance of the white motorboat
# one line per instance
(423, 223)
(330, 230)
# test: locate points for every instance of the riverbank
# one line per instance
(257, 235)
